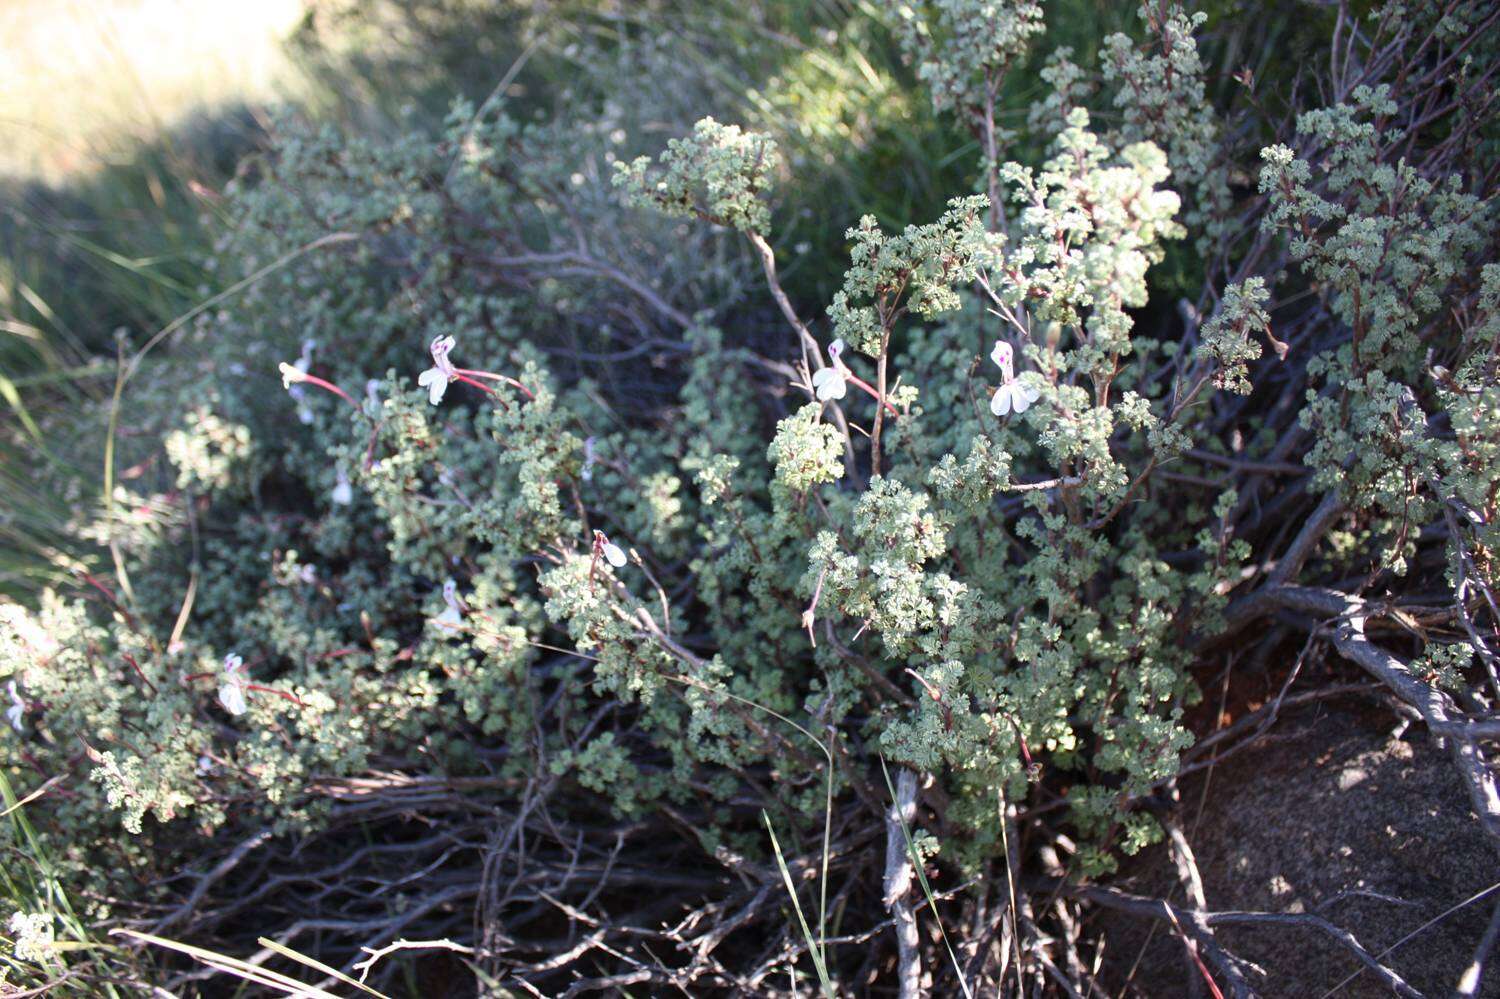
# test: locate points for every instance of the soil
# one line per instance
(1334, 803)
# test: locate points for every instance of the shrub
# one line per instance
(622, 564)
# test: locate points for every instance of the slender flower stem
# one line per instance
(279, 693)
(459, 376)
(851, 376)
(507, 379)
(139, 672)
(809, 617)
(315, 380)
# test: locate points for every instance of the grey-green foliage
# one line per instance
(328, 601)
(1386, 242)
(1229, 337)
(719, 172)
(1160, 93)
(983, 609)
(992, 601)
(962, 48)
(979, 602)
(918, 270)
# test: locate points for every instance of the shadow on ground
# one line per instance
(1335, 805)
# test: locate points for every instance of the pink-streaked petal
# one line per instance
(232, 697)
(436, 383)
(830, 384)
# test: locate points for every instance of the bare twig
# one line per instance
(898, 884)
(1199, 924)
(1473, 976)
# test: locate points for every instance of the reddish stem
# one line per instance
(329, 386)
(110, 596)
(507, 379)
(459, 376)
(279, 693)
(873, 394)
(137, 667)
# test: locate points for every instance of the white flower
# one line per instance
(829, 382)
(308, 573)
(452, 618)
(343, 493)
(612, 552)
(17, 710)
(1005, 357)
(1011, 396)
(372, 397)
(291, 374)
(292, 377)
(436, 378)
(232, 690)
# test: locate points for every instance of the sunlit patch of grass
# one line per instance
(119, 123)
(85, 79)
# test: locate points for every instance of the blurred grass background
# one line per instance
(118, 121)
(86, 80)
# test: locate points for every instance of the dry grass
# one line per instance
(85, 79)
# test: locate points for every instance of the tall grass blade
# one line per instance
(275, 980)
(814, 946)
